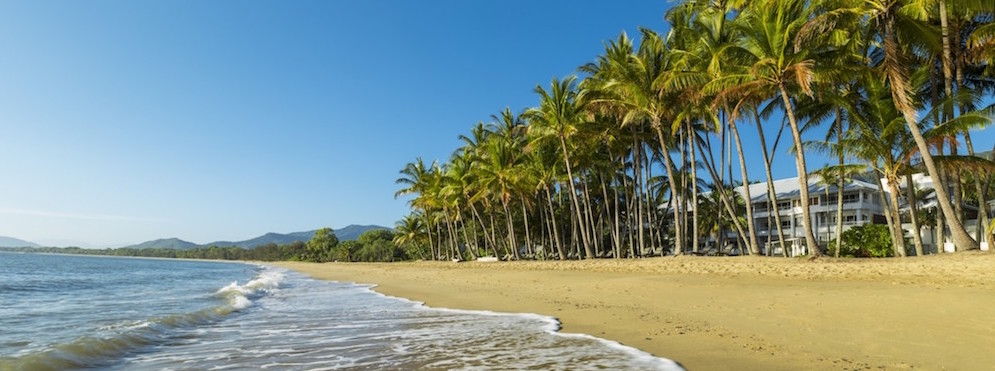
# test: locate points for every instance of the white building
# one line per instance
(862, 204)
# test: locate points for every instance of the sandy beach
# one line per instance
(732, 313)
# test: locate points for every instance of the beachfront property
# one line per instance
(863, 203)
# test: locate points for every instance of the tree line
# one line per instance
(372, 246)
(633, 156)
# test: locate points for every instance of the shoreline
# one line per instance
(725, 313)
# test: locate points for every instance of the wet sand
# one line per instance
(732, 313)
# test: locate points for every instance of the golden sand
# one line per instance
(732, 313)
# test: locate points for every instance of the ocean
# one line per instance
(60, 312)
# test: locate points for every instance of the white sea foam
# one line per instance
(309, 324)
(552, 326)
(241, 296)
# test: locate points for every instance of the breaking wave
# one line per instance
(111, 342)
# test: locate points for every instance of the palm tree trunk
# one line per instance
(613, 232)
(629, 217)
(724, 198)
(982, 219)
(546, 236)
(751, 229)
(674, 191)
(528, 235)
(618, 231)
(556, 232)
(487, 238)
(512, 244)
(595, 239)
(771, 193)
(650, 210)
(646, 201)
(840, 184)
(431, 243)
(637, 181)
(898, 231)
(466, 237)
(573, 198)
(802, 172)
(453, 250)
(695, 218)
(839, 213)
(910, 193)
(494, 230)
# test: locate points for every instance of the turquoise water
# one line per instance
(79, 312)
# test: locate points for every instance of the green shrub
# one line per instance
(865, 241)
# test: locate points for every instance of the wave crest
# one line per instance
(241, 296)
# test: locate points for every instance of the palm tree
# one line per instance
(410, 233)
(775, 68)
(633, 85)
(887, 17)
(560, 115)
(419, 179)
(499, 177)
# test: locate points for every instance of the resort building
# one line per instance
(862, 204)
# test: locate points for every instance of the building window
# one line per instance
(786, 223)
(851, 198)
(813, 201)
(783, 205)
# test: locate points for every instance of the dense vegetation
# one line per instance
(866, 241)
(374, 245)
(634, 157)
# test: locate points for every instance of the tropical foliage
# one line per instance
(633, 156)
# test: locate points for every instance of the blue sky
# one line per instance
(127, 121)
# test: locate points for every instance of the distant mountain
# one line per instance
(352, 232)
(165, 243)
(348, 233)
(15, 242)
(277, 238)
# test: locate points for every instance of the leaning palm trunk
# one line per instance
(754, 248)
(674, 191)
(466, 238)
(512, 244)
(724, 198)
(771, 193)
(914, 213)
(899, 91)
(488, 241)
(802, 172)
(453, 250)
(899, 233)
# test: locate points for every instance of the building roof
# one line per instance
(789, 188)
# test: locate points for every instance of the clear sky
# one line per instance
(125, 121)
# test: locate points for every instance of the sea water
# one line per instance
(62, 312)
